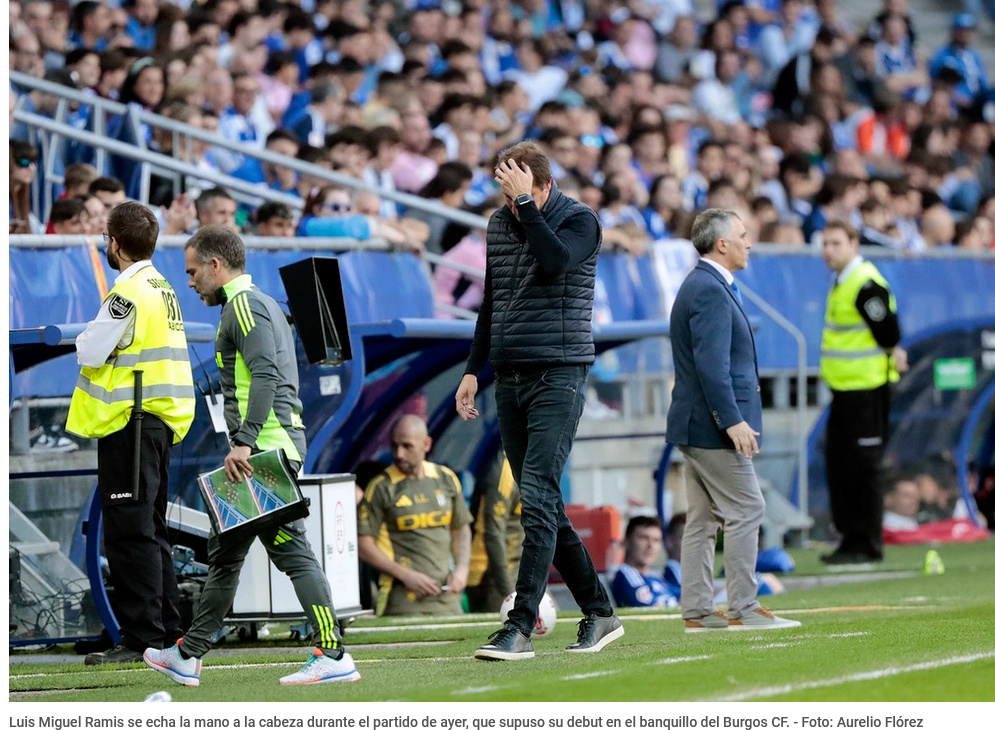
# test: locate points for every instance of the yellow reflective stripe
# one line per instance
(834, 327)
(219, 360)
(127, 393)
(151, 355)
(853, 354)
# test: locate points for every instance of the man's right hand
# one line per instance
(744, 438)
(420, 584)
(465, 396)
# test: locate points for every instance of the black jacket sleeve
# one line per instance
(557, 253)
(874, 305)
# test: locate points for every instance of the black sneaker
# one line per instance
(594, 633)
(506, 644)
(120, 654)
(848, 558)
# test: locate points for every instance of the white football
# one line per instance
(546, 620)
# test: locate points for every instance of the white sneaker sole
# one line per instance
(185, 680)
(778, 624)
(605, 641)
(352, 676)
(497, 655)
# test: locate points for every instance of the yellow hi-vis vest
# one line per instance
(851, 357)
(104, 397)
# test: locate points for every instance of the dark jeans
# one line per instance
(856, 436)
(135, 539)
(538, 412)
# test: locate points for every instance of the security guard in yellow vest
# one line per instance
(138, 327)
(860, 360)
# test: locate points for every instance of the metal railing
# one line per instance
(801, 435)
(263, 243)
(252, 242)
(105, 106)
(246, 190)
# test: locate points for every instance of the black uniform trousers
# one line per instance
(538, 413)
(135, 541)
(856, 436)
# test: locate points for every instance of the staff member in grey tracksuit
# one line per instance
(255, 353)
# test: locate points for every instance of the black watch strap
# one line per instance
(523, 199)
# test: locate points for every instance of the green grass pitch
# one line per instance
(912, 638)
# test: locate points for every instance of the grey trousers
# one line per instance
(290, 552)
(722, 490)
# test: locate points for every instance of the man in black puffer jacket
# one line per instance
(534, 327)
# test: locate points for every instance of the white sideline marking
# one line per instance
(589, 675)
(682, 659)
(475, 690)
(848, 635)
(261, 665)
(859, 677)
(763, 647)
(633, 617)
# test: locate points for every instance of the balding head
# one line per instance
(938, 227)
(409, 442)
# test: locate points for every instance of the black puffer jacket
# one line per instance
(539, 288)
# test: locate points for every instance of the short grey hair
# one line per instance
(711, 225)
(219, 242)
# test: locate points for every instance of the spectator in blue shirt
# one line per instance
(959, 56)
(141, 22)
(633, 584)
(329, 212)
(91, 24)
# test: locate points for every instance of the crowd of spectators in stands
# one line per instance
(780, 109)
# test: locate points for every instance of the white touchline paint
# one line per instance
(475, 690)
(457, 623)
(846, 679)
(770, 646)
(589, 675)
(263, 665)
(681, 659)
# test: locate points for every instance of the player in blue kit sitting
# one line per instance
(633, 585)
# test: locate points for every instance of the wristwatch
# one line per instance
(523, 199)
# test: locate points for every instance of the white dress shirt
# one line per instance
(726, 274)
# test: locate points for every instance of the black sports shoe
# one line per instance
(848, 558)
(120, 654)
(506, 644)
(594, 633)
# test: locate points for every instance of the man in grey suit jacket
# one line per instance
(714, 419)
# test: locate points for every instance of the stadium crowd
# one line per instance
(779, 109)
